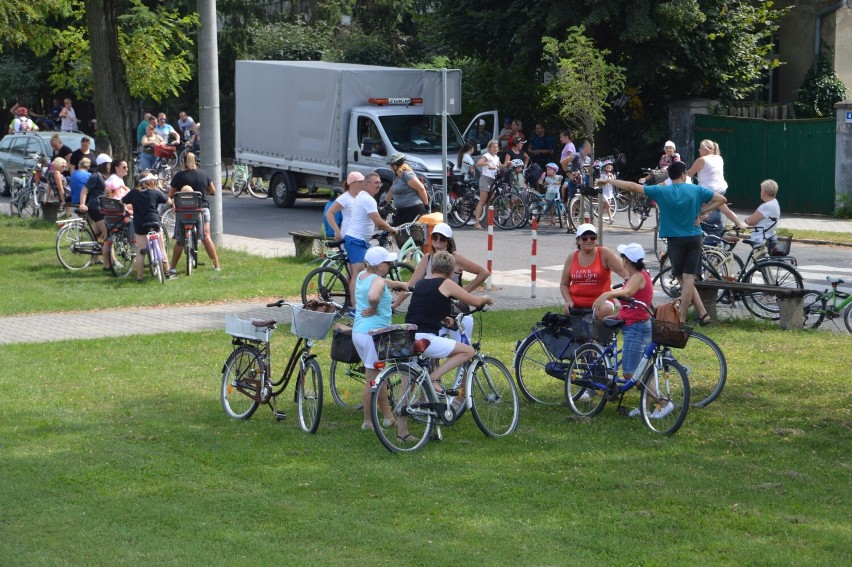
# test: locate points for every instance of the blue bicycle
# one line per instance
(592, 377)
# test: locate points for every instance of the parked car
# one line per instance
(18, 152)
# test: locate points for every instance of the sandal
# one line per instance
(477, 227)
(705, 320)
(407, 438)
(437, 385)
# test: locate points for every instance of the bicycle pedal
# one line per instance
(451, 392)
(279, 415)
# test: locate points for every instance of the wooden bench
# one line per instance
(308, 243)
(792, 314)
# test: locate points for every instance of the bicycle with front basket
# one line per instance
(484, 383)
(247, 374)
(592, 377)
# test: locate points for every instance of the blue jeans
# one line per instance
(636, 338)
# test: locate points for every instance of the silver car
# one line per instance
(18, 152)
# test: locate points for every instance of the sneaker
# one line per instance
(585, 397)
(663, 411)
(366, 426)
(217, 268)
(634, 412)
(387, 422)
(172, 273)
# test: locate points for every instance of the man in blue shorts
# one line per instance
(681, 204)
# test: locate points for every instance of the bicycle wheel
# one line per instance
(495, 401)
(588, 370)
(510, 211)
(242, 379)
(847, 317)
(189, 250)
(401, 272)
(461, 213)
(68, 239)
(636, 214)
(705, 366)
(258, 188)
(124, 252)
(575, 213)
(814, 305)
(411, 405)
(536, 385)
(309, 395)
(346, 382)
(769, 272)
(670, 404)
(326, 284)
(167, 220)
(622, 200)
(155, 264)
(668, 283)
(28, 207)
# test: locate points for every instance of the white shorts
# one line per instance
(439, 347)
(366, 349)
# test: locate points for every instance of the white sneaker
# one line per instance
(585, 396)
(366, 426)
(387, 422)
(635, 412)
(663, 411)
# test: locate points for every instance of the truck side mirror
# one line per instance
(367, 147)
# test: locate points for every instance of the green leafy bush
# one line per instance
(821, 89)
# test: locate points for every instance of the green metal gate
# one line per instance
(798, 154)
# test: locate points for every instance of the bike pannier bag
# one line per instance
(342, 347)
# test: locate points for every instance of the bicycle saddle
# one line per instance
(155, 226)
(260, 323)
(333, 243)
(613, 323)
(420, 345)
(833, 280)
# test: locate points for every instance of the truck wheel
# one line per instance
(283, 189)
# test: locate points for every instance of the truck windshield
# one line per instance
(420, 134)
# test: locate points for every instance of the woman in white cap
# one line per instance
(90, 197)
(636, 331)
(146, 200)
(373, 311)
(588, 273)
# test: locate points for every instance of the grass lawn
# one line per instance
(117, 452)
(29, 267)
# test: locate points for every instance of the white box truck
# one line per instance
(305, 125)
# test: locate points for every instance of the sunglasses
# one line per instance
(588, 237)
(439, 237)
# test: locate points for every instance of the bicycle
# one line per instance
(28, 193)
(760, 268)
(552, 340)
(154, 252)
(463, 199)
(820, 306)
(592, 377)
(76, 244)
(119, 246)
(247, 373)
(188, 210)
(484, 381)
(244, 181)
(329, 283)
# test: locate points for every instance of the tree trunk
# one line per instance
(111, 93)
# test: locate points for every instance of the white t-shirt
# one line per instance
(69, 121)
(345, 200)
(486, 169)
(466, 164)
(768, 209)
(361, 226)
(712, 175)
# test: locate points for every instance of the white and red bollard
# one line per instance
(532, 267)
(489, 254)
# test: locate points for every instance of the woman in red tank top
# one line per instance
(588, 273)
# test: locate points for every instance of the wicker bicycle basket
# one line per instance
(670, 334)
(309, 324)
(394, 341)
(587, 327)
(164, 151)
(415, 230)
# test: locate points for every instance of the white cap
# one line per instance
(671, 144)
(481, 122)
(586, 227)
(378, 254)
(102, 159)
(148, 177)
(633, 251)
(443, 229)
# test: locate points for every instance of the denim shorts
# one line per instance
(356, 249)
(636, 338)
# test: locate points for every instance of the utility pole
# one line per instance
(208, 96)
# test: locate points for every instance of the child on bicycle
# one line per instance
(146, 199)
(551, 181)
(608, 190)
(636, 332)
